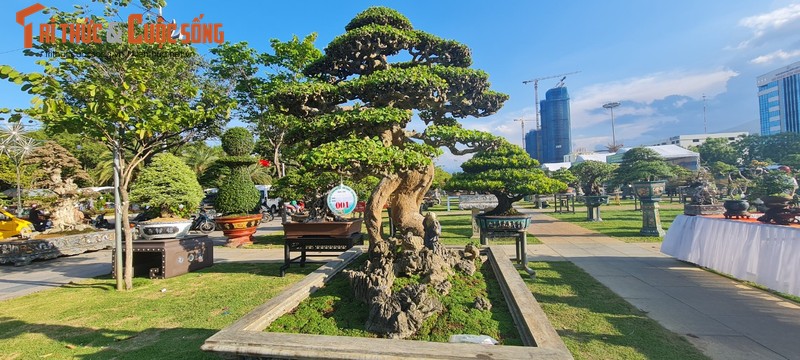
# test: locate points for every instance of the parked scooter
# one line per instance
(266, 214)
(202, 223)
(100, 222)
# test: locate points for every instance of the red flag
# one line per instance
(263, 162)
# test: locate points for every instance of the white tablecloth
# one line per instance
(768, 255)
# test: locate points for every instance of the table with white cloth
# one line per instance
(765, 254)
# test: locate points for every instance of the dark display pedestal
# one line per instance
(166, 258)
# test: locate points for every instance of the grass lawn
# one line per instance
(620, 221)
(595, 323)
(91, 320)
(158, 319)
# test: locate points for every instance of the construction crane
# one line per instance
(536, 104)
(522, 122)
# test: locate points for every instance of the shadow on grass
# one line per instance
(93, 343)
(563, 285)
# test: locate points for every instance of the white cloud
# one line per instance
(776, 55)
(636, 94)
(763, 24)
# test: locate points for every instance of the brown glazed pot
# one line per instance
(340, 229)
(239, 229)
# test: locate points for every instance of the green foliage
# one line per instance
(168, 184)
(642, 164)
(718, 149)
(564, 175)
(774, 183)
(237, 141)
(380, 16)
(237, 194)
(440, 177)
(591, 175)
(507, 172)
(55, 164)
(771, 148)
(352, 111)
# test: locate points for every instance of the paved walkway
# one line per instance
(722, 318)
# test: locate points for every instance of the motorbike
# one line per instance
(100, 222)
(202, 223)
(266, 214)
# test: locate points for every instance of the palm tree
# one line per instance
(200, 156)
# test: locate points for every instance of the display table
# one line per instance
(165, 258)
(765, 254)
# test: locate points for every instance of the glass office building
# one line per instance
(532, 145)
(779, 99)
(555, 132)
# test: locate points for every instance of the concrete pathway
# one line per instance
(16, 281)
(721, 317)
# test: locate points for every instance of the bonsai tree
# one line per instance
(508, 173)
(774, 183)
(238, 194)
(352, 114)
(312, 188)
(566, 176)
(169, 185)
(591, 175)
(642, 164)
(58, 170)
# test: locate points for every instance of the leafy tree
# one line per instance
(564, 175)
(354, 113)
(252, 75)
(440, 177)
(770, 148)
(718, 149)
(508, 173)
(167, 184)
(8, 174)
(120, 96)
(642, 164)
(591, 175)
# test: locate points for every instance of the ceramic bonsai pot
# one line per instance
(736, 208)
(163, 229)
(239, 229)
(649, 190)
(593, 203)
(503, 223)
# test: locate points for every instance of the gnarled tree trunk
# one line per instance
(408, 198)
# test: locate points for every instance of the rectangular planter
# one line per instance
(246, 338)
(22, 252)
(337, 229)
(166, 258)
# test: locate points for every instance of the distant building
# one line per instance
(685, 141)
(779, 100)
(555, 132)
(532, 145)
(674, 154)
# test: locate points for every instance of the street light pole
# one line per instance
(611, 107)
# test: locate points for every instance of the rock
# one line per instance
(471, 252)
(482, 303)
(466, 266)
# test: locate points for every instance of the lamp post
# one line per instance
(611, 107)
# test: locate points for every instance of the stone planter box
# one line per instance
(340, 229)
(154, 230)
(246, 338)
(503, 223)
(22, 252)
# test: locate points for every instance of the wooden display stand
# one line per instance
(166, 258)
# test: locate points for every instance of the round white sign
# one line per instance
(342, 200)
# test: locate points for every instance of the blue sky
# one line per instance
(656, 57)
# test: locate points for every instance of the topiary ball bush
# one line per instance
(238, 195)
(237, 141)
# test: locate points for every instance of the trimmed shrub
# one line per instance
(167, 184)
(238, 194)
(237, 142)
